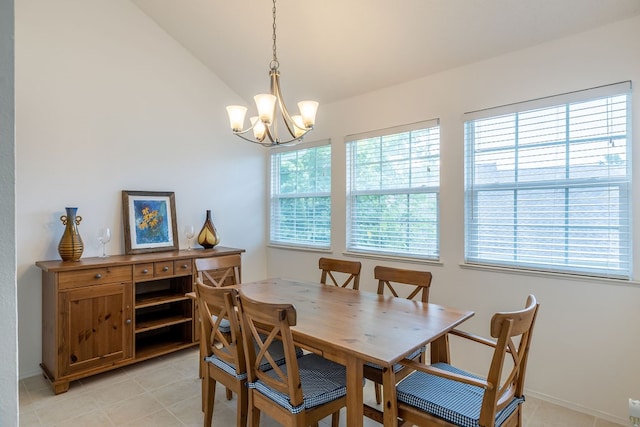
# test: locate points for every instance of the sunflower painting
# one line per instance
(150, 221)
(151, 226)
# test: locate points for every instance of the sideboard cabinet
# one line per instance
(99, 314)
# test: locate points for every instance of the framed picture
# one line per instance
(149, 219)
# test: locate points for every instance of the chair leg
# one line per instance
(229, 394)
(254, 417)
(242, 407)
(378, 389)
(209, 395)
(335, 419)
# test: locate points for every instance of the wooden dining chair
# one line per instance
(441, 394)
(302, 391)
(417, 284)
(350, 269)
(218, 271)
(224, 354)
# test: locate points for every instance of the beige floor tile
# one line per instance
(160, 378)
(63, 407)
(605, 423)
(132, 409)
(116, 392)
(189, 411)
(162, 418)
(29, 419)
(178, 391)
(93, 419)
(36, 382)
(550, 415)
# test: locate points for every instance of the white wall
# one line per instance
(106, 101)
(8, 294)
(587, 339)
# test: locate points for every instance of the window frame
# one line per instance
(352, 192)
(473, 244)
(275, 197)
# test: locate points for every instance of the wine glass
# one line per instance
(104, 237)
(189, 231)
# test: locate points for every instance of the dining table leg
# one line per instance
(355, 392)
(389, 400)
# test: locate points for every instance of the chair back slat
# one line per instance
(389, 278)
(351, 269)
(219, 271)
(216, 304)
(264, 323)
(513, 331)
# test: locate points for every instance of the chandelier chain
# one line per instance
(274, 62)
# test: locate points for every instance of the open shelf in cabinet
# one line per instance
(157, 316)
(163, 340)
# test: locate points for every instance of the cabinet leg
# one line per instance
(60, 387)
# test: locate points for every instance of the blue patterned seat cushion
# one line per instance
(275, 349)
(450, 400)
(224, 326)
(398, 366)
(322, 381)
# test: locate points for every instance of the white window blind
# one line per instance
(301, 196)
(393, 186)
(548, 184)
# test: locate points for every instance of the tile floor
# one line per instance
(165, 392)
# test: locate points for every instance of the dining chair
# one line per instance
(330, 266)
(218, 271)
(392, 279)
(224, 354)
(302, 391)
(444, 395)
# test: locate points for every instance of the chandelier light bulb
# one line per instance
(266, 104)
(259, 129)
(236, 117)
(308, 111)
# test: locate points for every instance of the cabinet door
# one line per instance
(95, 327)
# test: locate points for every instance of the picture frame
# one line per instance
(149, 219)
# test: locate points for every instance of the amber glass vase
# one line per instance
(71, 247)
(208, 236)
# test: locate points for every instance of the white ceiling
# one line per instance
(334, 49)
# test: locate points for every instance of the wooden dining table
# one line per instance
(353, 327)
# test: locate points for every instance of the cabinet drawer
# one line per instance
(94, 276)
(182, 266)
(143, 271)
(162, 269)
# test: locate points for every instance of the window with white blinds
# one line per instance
(393, 188)
(301, 196)
(548, 184)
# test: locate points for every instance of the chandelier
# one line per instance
(265, 124)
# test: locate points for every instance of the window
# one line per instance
(393, 186)
(547, 184)
(301, 196)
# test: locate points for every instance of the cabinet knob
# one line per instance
(98, 276)
(184, 266)
(145, 271)
(128, 321)
(165, 268)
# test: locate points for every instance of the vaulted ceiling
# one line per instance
(335, 49)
